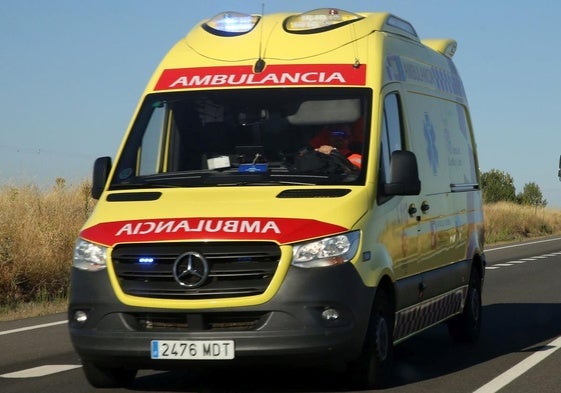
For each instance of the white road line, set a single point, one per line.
(40, 371)
(522, 244)
(32, 327)
(510, 263)
(519, 369)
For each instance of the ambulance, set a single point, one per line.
(293, 188)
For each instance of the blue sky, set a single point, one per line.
(71, 73)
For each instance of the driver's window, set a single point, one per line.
(149, 154)
(392, 134)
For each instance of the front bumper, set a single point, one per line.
(287, 328)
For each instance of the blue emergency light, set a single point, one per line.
(231, 23)
(146, 260)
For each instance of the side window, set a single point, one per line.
(391, 137)
(462, 138)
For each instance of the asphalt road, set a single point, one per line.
(517, 352)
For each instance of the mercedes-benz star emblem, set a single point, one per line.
(190, 269)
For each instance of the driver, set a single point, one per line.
(337, 137)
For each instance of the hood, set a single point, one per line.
(249, 213)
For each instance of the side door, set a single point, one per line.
(401, 211)
(430, 121)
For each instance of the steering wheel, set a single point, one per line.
(342, 161)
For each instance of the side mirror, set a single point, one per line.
(559, 172)
(101, 169)
(404, 174)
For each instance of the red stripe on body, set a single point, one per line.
(273, 75)
(282, 230)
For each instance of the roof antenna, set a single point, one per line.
(260, 63)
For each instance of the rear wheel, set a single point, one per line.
(374, 367)
(466, 326)
(107, 377)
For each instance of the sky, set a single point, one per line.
(72, 72)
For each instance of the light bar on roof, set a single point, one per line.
(231, 23)
(401, 24)
(319, 19)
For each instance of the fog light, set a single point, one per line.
(330, 314)
(80, 316)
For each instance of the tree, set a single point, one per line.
(497, 186)
(531, 195)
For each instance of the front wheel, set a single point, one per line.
(374, 367)
(107, 377)
(466, 326)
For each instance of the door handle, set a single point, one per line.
(412, 209)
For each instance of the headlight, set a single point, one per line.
(328, 251)
(89, 256)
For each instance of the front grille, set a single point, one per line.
(235, 269)
(180, 321)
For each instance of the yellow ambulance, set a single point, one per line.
(293, 187)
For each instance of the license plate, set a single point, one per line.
(194, 350)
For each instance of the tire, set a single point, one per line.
(466, 327)
(106, 377)
(373, 369)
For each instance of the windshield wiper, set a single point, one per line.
(266, 183)
(223, 179)
(170, 179)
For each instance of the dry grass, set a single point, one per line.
(506, 222)
(38, 230)
(33, 309)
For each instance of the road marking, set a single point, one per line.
(41, 371)
(522, 244)
(523, 260)
(514, 372)
(32, 327)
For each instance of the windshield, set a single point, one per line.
(247, 137)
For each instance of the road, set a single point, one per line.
(517, 352)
